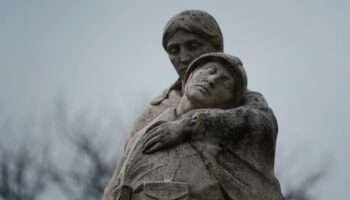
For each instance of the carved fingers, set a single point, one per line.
(162, 136)
(153, 141)
(154, 147)
(155, 138)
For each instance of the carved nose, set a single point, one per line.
(184, 57)
(210, 82)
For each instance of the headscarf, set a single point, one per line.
(193, 21)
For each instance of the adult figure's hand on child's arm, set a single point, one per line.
(166, 134)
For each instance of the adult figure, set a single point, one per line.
(216, 81)
(188, 35)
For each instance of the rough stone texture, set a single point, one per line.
(201, 153)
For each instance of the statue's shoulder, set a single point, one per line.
(169, 98)
(255, 101)
(253, 98)
(170, 95)
(158, 100)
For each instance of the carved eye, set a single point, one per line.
(225, 78)
(173, 50)
(227, 81)
(212, 70)
(194, 45)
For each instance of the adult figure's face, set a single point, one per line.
(210, 86)
(183, 47)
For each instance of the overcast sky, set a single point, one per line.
(107, 55)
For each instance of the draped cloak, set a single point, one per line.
(233, 159)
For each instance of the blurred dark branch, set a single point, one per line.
(21, 176)
(90, 170)
(301, 191)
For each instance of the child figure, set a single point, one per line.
(196, 164)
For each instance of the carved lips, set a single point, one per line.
(204, 89)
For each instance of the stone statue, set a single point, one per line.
(185, 146)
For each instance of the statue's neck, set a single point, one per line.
(184, 106)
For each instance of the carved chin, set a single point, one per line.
(198, 99)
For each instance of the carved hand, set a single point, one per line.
(166, 134)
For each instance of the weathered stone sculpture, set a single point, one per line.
(207, 136)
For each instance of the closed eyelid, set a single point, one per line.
(190, 42)
(229, 82)
(172, 48)
(223, 76)
(212, 67)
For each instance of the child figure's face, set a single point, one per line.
(210, 86)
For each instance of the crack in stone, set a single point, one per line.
(178, 166)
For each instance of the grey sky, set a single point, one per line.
(107, 55)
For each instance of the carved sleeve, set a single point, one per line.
(253, 115)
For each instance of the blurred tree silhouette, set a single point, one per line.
(73, 160)
(82, 167)
(90, 170)
(21, 176)
(302, 191)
